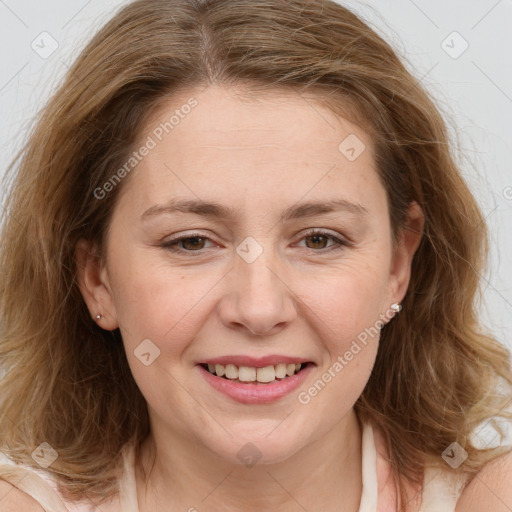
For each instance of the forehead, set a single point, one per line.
(281, 121)
(280, 142)
(222, 112)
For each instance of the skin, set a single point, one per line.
(300, 297)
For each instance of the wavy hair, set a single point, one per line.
(68, 382)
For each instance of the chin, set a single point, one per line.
(249, 450)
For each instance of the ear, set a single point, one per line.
(94, 285)
(408, 241)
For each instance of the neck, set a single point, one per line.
(177, 474)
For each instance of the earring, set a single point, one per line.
(99, 317)
(396, 307)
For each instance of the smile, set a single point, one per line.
(265, 374)
(255, 384)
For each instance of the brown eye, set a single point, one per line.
(186, 244)
(315, 240)
(193, 243)
(319, 240)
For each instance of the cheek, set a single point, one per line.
(156, 301)
(158, 310)
(347, 320)
(346, 315)
(347, 298)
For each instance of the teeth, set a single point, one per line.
(251, 374)
(280, 371)
(290, 369)
(246, 374)
(231, 371)
(266, 374)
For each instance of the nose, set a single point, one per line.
(258, 298)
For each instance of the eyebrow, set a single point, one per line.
(216, 210)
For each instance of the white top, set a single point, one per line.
(441, 488)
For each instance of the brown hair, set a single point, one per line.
(68, 382)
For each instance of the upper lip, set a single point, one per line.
(257, 362)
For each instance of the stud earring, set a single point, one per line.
(99, 317)
(396, 307)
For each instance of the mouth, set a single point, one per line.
(252, 374)
(262, 384)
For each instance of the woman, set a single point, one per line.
(239, 272)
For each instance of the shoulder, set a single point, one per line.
(14, 500)
(490, 489)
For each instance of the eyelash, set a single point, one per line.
(171, 244)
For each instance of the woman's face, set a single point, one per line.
(249, 285)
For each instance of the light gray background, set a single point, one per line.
(474, 92)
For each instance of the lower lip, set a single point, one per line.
(253, 392)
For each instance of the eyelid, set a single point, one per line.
(322, 231)
(184, 236)
(341, 241)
